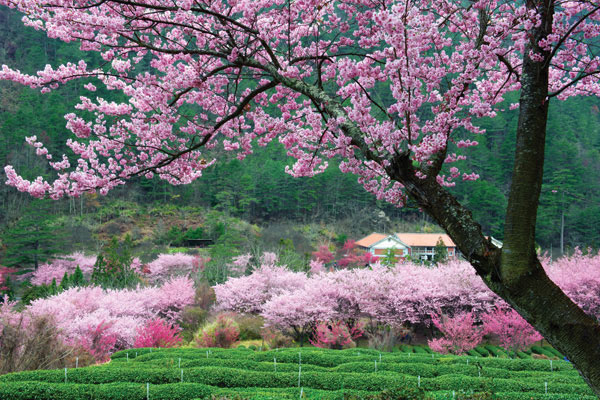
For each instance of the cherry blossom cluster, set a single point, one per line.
(459, 334)
(165, 266)
(360, 80)
(406, 293)
(157, 333)
(55, 269)
(513, 332)
(248, 294)
(169, 265)
(348, 256)
(79, 312)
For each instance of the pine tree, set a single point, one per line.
(65, 282)
(113, 266)
(34, 238)
(77, 278)
(440, 252)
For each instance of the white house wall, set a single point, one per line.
(388, 244)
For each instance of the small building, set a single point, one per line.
(379, 244)
(419, 246)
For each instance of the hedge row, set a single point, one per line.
(413, 368)
(227, 377)
(113, 391)
(447, 394)
(189, 391)
(334, 359)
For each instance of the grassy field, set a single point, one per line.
(311, 373)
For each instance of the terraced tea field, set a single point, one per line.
(310, 373)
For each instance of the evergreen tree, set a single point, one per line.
(440, 252)
(34, 238)
(113, 268)
(77, 279)
(65, 282)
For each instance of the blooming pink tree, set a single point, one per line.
(84, 313)
(511, 329)
(248, 294)
(460, 334)
(392, 88)
(323, 255)
(97, 340)
(578, 275)
(157, 333)
(335, 335)
(55, 269)
(168, 265)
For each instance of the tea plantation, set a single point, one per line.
(311, 373)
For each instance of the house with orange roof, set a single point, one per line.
(379, 244)
(419, 246)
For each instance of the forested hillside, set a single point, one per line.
(258, 190)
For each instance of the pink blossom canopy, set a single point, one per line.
(362, 80)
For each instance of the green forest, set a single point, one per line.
(258, 191)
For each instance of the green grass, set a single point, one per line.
(324, 374)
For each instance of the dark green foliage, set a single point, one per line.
(112, 391)
(33, 238)
(64, 283)
(113, 266)
(34, 292)
(441, 252)
(31, 293)
(344, 374)
(77, 278)
(398, 393)
(482, 351)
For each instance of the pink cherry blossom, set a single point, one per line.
(439, 70)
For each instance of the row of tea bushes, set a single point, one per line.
(320, 374)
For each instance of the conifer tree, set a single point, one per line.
(33, 239)
(440, 254)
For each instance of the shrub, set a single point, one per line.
(459, 334)
(275, 339)
(30, 342)
(221, 333)
(513, 331)
(336, 335)
(98, 341)
(191, 319)
(250, 326)
(157, 333)
(385, 337)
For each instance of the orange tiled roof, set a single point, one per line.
(424, 239)
(373, 238)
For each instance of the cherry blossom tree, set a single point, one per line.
(512, 330)
(55, 269)
(248, 294)
(393, 88)
(86, 314)
(167, 265)
(460, 335)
